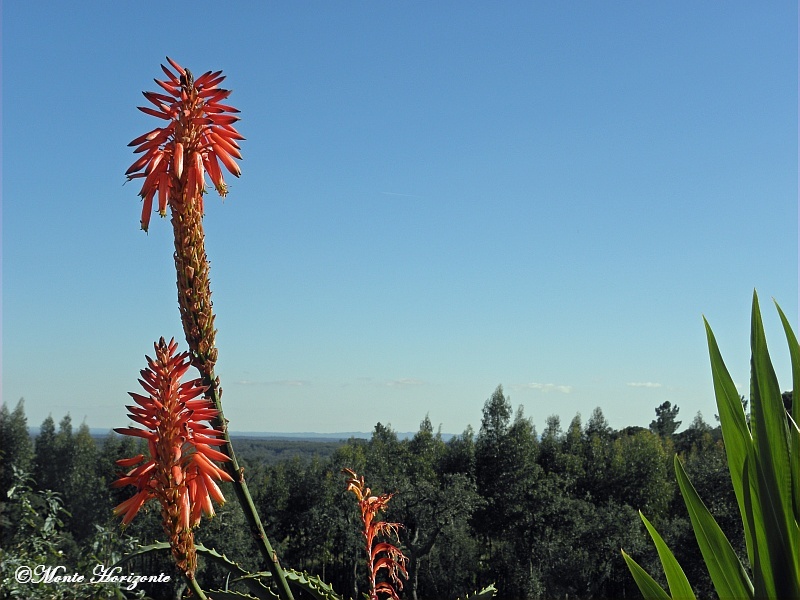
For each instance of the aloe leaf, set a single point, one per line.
(794, 353)
(228, 595)
(726, 570)
(311, 584)
(142, 551)
(488, 592)
(772, 471)
(768, 419)
(752, 501)
(250, 580)
(735, 433)
(794, 441)
(647, 585)
(794, 436)
(678, 584)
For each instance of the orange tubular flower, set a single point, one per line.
(381, 555)
(180, 472)
(198, 136)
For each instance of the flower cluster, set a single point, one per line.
(180, 472)
(198, 136)
(380, 555)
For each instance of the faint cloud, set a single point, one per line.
(643, 384)
(404, 382)
(401, 382)
(544, 387)
(399, 194)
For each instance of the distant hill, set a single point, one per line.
(305, 436)
(311, 436)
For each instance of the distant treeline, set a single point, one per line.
(542, 515)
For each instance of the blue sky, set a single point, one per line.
(436, 198)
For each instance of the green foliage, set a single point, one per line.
(45, 462)
(38, 539)
(561, 507)
(86, 492)
(697, 437)
(765, 472)
(254, 451)
(16, 454)
(256, 585)
(17, 449)
(639, 472)
(666, 422)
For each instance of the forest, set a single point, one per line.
(541, 514)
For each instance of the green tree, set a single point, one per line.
(551, 444)
(430, 502)
(508, 480)
(492, 462)
(570, 462)
(17, 449)
(665, 423)
(520, 496)
(597, 452)
(597, 425)
(583, 560)
(86, 492)
(640, 475)
(452, 565)
(697, 436)
(65, 453)
(386, 458)
(45, 461)
(460, 454)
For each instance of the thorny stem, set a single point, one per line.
(197, 315)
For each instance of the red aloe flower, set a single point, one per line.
(180, 472)
(198, 136)
(380, 555)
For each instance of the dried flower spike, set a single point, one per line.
(197, 137)
(380, 555)
(180, 472)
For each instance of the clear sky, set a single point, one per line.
(437, 198)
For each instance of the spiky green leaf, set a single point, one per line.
(647, 585)
(726, 571)
(794, 418)
(778, 575)
(488, 592)
(735, 433)
(142, 551)
(679, 587)
(228, 595)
